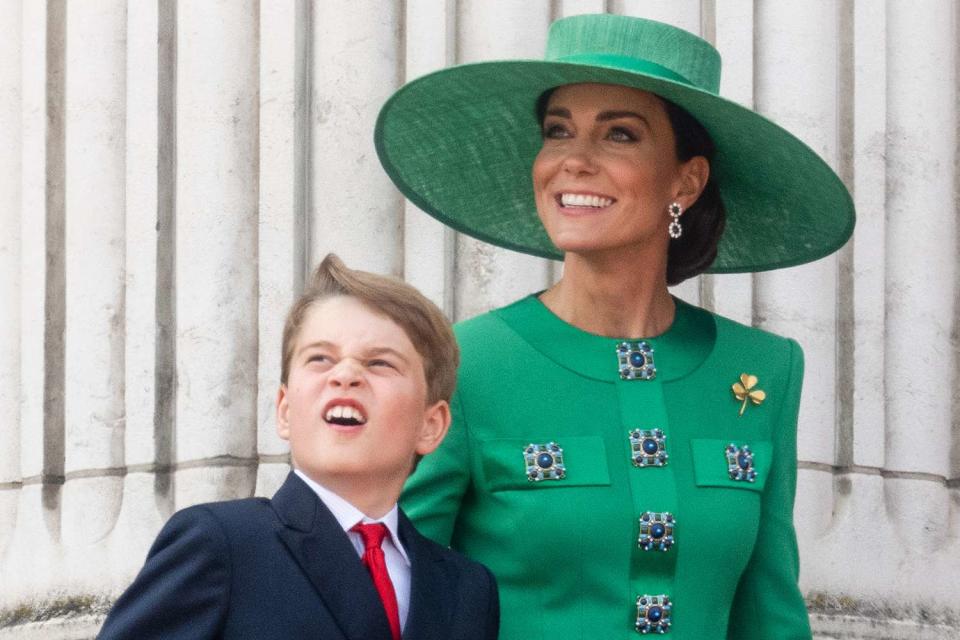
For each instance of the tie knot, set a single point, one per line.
(372, 534)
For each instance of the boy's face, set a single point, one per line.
(355, 403)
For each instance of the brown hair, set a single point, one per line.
(425, 325)
(703, 222)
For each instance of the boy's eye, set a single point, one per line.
(318, 357)
(381, 363)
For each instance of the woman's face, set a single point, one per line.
(607, 170)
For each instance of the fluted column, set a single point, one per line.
(216, 249)
(731, 295)
(95, 331)
(429, 246)
(920, 374)
(284, 148)
(802, 98)
(680, 13)
(10, 203)
(488, 276)
(31, 554)
(354, 209)
(577, 7)
(148, 361)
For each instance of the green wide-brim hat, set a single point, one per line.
(460, 144)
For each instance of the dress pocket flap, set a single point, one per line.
(715, 465)
(584, 463)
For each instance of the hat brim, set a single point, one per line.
(460, 144)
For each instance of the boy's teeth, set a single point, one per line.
(582, 200)
(345, 413)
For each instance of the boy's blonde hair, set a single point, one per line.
(424, 323)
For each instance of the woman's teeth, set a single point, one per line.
(581, 200)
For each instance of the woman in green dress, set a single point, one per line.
(624, 462)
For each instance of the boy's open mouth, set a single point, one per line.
(345, 414)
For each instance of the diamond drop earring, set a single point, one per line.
(675, 230)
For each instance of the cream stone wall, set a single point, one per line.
(169, 171)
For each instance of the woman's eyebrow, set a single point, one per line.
(560, 112)
(603, 116)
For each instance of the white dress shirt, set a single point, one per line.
(347, 515)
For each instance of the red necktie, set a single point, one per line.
(373, 535)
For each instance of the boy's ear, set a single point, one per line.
(283, 411)
(436, 422)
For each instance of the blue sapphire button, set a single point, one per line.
(656, 531)
(648, 447)
(635, 361)
(740, 463)
(654, 614)
(544, 462)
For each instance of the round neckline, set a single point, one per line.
(677, 351)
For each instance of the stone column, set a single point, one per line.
(354, 209)
(488, 276)
(95, 248)
(429, 246)
(731, 295)
(920, 371)
(148, 349)
(10, 203)
(284, 148)
(30, 557)
(802, 98)
(216, 249)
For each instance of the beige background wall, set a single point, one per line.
(170, 170)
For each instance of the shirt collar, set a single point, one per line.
(348, 515)
(677, 351)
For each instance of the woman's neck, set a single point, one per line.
(615, 298)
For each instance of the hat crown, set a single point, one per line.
(621, 41)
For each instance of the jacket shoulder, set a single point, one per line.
(753, 341)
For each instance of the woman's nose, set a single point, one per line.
(579, 158)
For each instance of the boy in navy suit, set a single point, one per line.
(369, 365)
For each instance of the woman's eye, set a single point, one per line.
(381, 363)
(555, 131)
(619, 134)
(318, 357)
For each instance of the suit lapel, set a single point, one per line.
(431, 587)
(321, 548)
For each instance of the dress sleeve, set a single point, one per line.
(768, 603)
(184, 587)
(433, 494)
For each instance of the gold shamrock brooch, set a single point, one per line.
(744, 391)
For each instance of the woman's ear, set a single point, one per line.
(694, 174)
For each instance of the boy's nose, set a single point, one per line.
(346, 373)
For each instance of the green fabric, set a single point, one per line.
(460, 144)
(565, 551)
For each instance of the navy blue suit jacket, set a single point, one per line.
(283, 568)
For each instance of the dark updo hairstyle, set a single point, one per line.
(695, 250)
